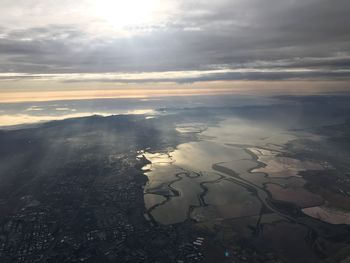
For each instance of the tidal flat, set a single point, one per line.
(217, 178)
(234, 167)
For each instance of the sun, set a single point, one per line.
(123, 13)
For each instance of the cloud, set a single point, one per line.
(278, 39)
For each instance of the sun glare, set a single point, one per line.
(123, 13)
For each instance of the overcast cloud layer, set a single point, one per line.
(201, 40)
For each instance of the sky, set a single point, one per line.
(113, 48)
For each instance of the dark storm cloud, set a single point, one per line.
(205, 35)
